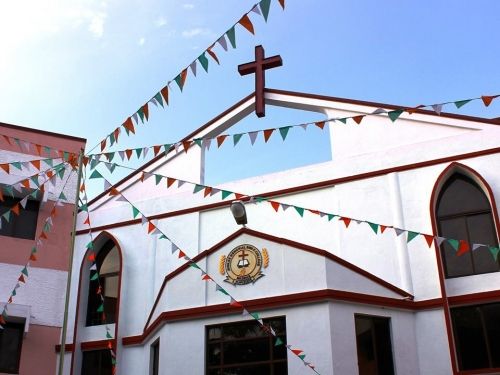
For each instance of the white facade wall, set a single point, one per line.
(325, 331)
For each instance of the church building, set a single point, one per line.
(383, 260)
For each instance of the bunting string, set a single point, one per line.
(161, 98)
(27, 147)
(57, 171)
(33, 257)
(153, 230)
(266, 134)
(94, 274)
(459, 245)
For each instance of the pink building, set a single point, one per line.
(37, 195)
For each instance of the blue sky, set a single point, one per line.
(81, 67)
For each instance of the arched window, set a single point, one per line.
(463, 212)
(107, 284)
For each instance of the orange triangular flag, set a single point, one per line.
(128, 152)
(91, 257)
(346, 221)
(206, 277)
(282, 3)
(151, 227)
(164, 93)
(103, 144)
(267, 134)
(21, 279)
(36, 163)
(207, 191)
(1, 196)
(221, 139)
(15, 209)
(43, 235)
(26, 183)
(246, 23)
(429, 239)
(275, 205)
(320, 124)
(170, 181)
(238, 196)
(212, 53)
(85, 160)
(156, 150)
(33, 257)
(358, 119)
(2, 320)
(145, 109)
(5, 167)
(414, 109)
(488, 99)
(181, 254)
(113, 191)
(316, 212)
(38, 149)
(87, 220)
(382, 228)
(129, 125)
(9, 300)
(463, 247)
(186, 145)
(184, 74)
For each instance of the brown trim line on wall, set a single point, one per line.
(301, 188)
(39, 131)
(67, 348)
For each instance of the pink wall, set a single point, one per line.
(38, 356)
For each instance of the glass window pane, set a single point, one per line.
(373, 340)
(11, 337)
(482, 230)
(22, 225)
(460, 194)
(491, 314)
(469, 337)
(246, 351)
(280, 368)
(96, 362)
(383, 346)
(455, 228)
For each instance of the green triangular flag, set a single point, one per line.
(167, 147)
(113, 360)
(194, 265)
(140, 112)
(284, 131)
(65, 155)
(330, 217)
(46, 227)
(461, 103)
(494, 251)
(94, 276)
(278, 342)
(6, 216)
(264, 7)
(411, 236)
(236, 138)
(342, 120)
(454, 243)
(302, 356)
(225, 194)
(163, 237)
(112, 138)
(90, 245)
(17, 165)
(101, 308)
(110, 156)
(13, 292)
(62, 196)
(159, 98)
(255, 315)
(300, 210)
(47, 150)
(108, 336)
(135, 211)
(203, 61)
(138, 152)
(197, 141)
(96, 174)
(373, 226)
(61, 172)
(49, 162)
(24, 271)
(178, 80)
(158, 178)
(198, 188)
(393, 115)
(231, 35)
(84, 207)
(35, 180)
(34, 194)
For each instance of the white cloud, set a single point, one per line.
(160, 21)
(197, 31)
(96, 25)
(142, 41)
(188, 6)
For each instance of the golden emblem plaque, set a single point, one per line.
(243, 264)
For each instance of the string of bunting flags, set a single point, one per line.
(27, 147)
(28, 165)
(39, 242)
(27, 183)
(161, 98)
(459, 245)
(206, 142)
(153, 230)
(94, 276)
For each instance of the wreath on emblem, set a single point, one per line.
(243, 264)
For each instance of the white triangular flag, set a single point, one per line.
(253, 136)
(222, 41)
(437, 108)
(193, 67)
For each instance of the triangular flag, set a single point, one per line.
(429, 239)
(231, 35)
(282, 3)
(164, 93)
(275, 205)
(454, 243)
(278, 342)
(358, 119)
(488, 99)
(225, 194)
(95, 174)
(236, 138)
(463, 247)
(234, 303)
(222, 41)
(203, 61)
(253, 137)
(284, 131)
(320, 124)
(437, 108)
(394, 115)
(135, 212)
(221, 139)
(299, 210)
(461, 103)
(346, 221)
(411, 236)
(373, 226)
(246, 23)
(193, 67)
(212, 54)
(267, 134)
(265, 5)
(399, 231)
(494, 251)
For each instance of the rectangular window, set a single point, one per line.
(154, 365)
(11, 340)
(373, 340)
(22, 225)
(477, 336)
(244, 348)
(97, 362)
